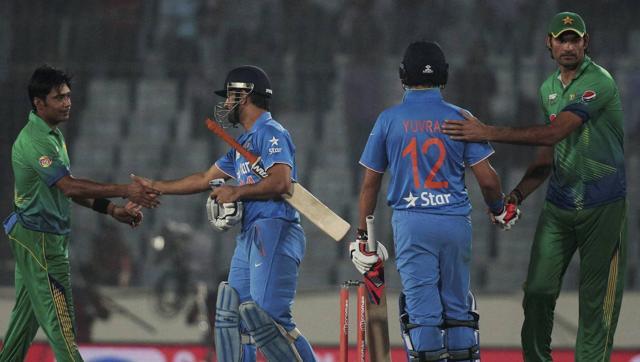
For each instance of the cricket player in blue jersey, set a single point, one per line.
(431, 222)
(254, 305)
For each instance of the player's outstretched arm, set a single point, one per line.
(537, 172)
(489, 183)
(88, 189)
(192, 184)
(473, 130)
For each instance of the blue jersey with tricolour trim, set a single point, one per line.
(272, 143)
(426, 166)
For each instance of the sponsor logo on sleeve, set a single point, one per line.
(45, 161)
(553, 97)
(588, 96)
(273, 149)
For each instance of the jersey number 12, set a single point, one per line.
(412, 150)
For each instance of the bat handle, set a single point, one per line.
(372, 244)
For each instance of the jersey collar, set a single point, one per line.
(585, 63)
(41, 125)
(430, 94)
(264, 118)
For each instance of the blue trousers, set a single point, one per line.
(264, 269)
(433, 254)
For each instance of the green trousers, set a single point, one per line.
(43, 296)
(599, 235)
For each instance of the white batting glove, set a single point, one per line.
(223, 217)
(508, 217)
(363, 259)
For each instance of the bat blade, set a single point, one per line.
(299, 197)
(377, 319)
(317, 212)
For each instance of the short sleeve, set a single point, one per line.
(545, 110)
(46, 159)
(226, 163)
(374, 156)
(475, 152)
(596, 98)
(275, 146)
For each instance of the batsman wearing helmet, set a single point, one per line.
(585, 208)
(431, 207)
(254, 306)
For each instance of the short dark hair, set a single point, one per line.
(260, 101)
(43, 80)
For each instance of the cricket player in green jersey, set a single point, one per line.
(38, 229)
(585, 208)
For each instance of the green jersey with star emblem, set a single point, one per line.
(588, 165)
(39, 159)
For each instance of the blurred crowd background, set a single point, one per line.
(144, 75)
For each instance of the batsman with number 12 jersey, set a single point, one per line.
(431, 207)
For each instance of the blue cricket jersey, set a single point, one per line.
(272, 143)
(426, 166)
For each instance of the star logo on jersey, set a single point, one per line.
(567, 20)
(411, 200)
(588, 95)
(274, 141)
(45, 161)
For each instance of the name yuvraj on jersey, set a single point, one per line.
(419, 126)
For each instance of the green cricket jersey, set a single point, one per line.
(39, 159)
(588, 165)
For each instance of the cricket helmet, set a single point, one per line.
(423, 63)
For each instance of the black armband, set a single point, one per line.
(580, 109)
(518, 195)
(101, 205)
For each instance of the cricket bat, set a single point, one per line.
(299, 197)
(377, 321)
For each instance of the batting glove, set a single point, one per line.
(363, 259)
(223, 216)
(508, 217)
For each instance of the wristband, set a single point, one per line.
(518, 195)
(101, 205)
(497, 206)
